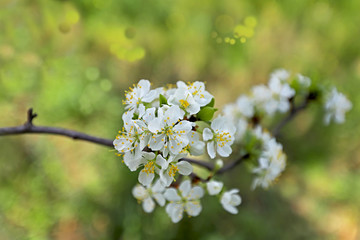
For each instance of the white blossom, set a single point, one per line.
(231, 112)
(196, 146)
(168, 168)
(140, 93)
(201, 96)
(186, 198)
(261, 94)
(169, 132)
(147, 174)
(271, 163)
(241, 127)
(261, 134)
(336, 106)
(274, 97)
(146, 195)
(304, 81)
(214, 187)
(231, 199)
(220, 137)
(183, 98)
(131, 138)
(245, 106)
(281, 74)
(282, 92)
(189, 97)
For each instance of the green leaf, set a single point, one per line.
(162, 99)
(201, 125)
(211, 103)
(206, 113)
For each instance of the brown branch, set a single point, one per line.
(29, 128)
(233, 164)
(209, 166)
(293, 112)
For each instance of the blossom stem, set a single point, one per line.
(293, 112)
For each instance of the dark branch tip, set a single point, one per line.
(30, 116)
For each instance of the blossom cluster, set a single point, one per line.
(162, 127)
(267, 100)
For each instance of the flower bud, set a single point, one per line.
(219, 164)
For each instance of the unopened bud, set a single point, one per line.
(219, 164)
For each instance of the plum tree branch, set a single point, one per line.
(293, 112)
(29, 128)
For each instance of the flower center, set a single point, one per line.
(222, 138)
(173, 170)
(184, 103)
(149, 167)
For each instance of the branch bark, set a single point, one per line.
(293, 112)
(233, 164)
(29, 128)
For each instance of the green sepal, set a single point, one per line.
(206, 113)
(201, 125)
(162, 99)
(211, 103)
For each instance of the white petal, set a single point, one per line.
(148, 155)
(183, 126)
(207, 134)
(150, 96)
(193, 108)
(165, 178)
(139, 192)
(233, 191)
(224, 151)
(159, 198)
(211, 149)
(185, 188)
(161, 162)
(214, 187)
(193, 208)
(157, 143)
(144, 86)
(172, 195)
(174, 114)
(157, 187)
(145, 178)
(230, 208)
(219, 123)
(185, 168)
(175, 211)
(235, 200)
(197, 148)
(148, 205)
(195, 193)
(181, 84)
(155, 125)
(132, 161)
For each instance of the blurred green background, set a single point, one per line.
(72, 60)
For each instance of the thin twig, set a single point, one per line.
(209, 166)
(29, 128)
(233, 164)
(293, 112)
